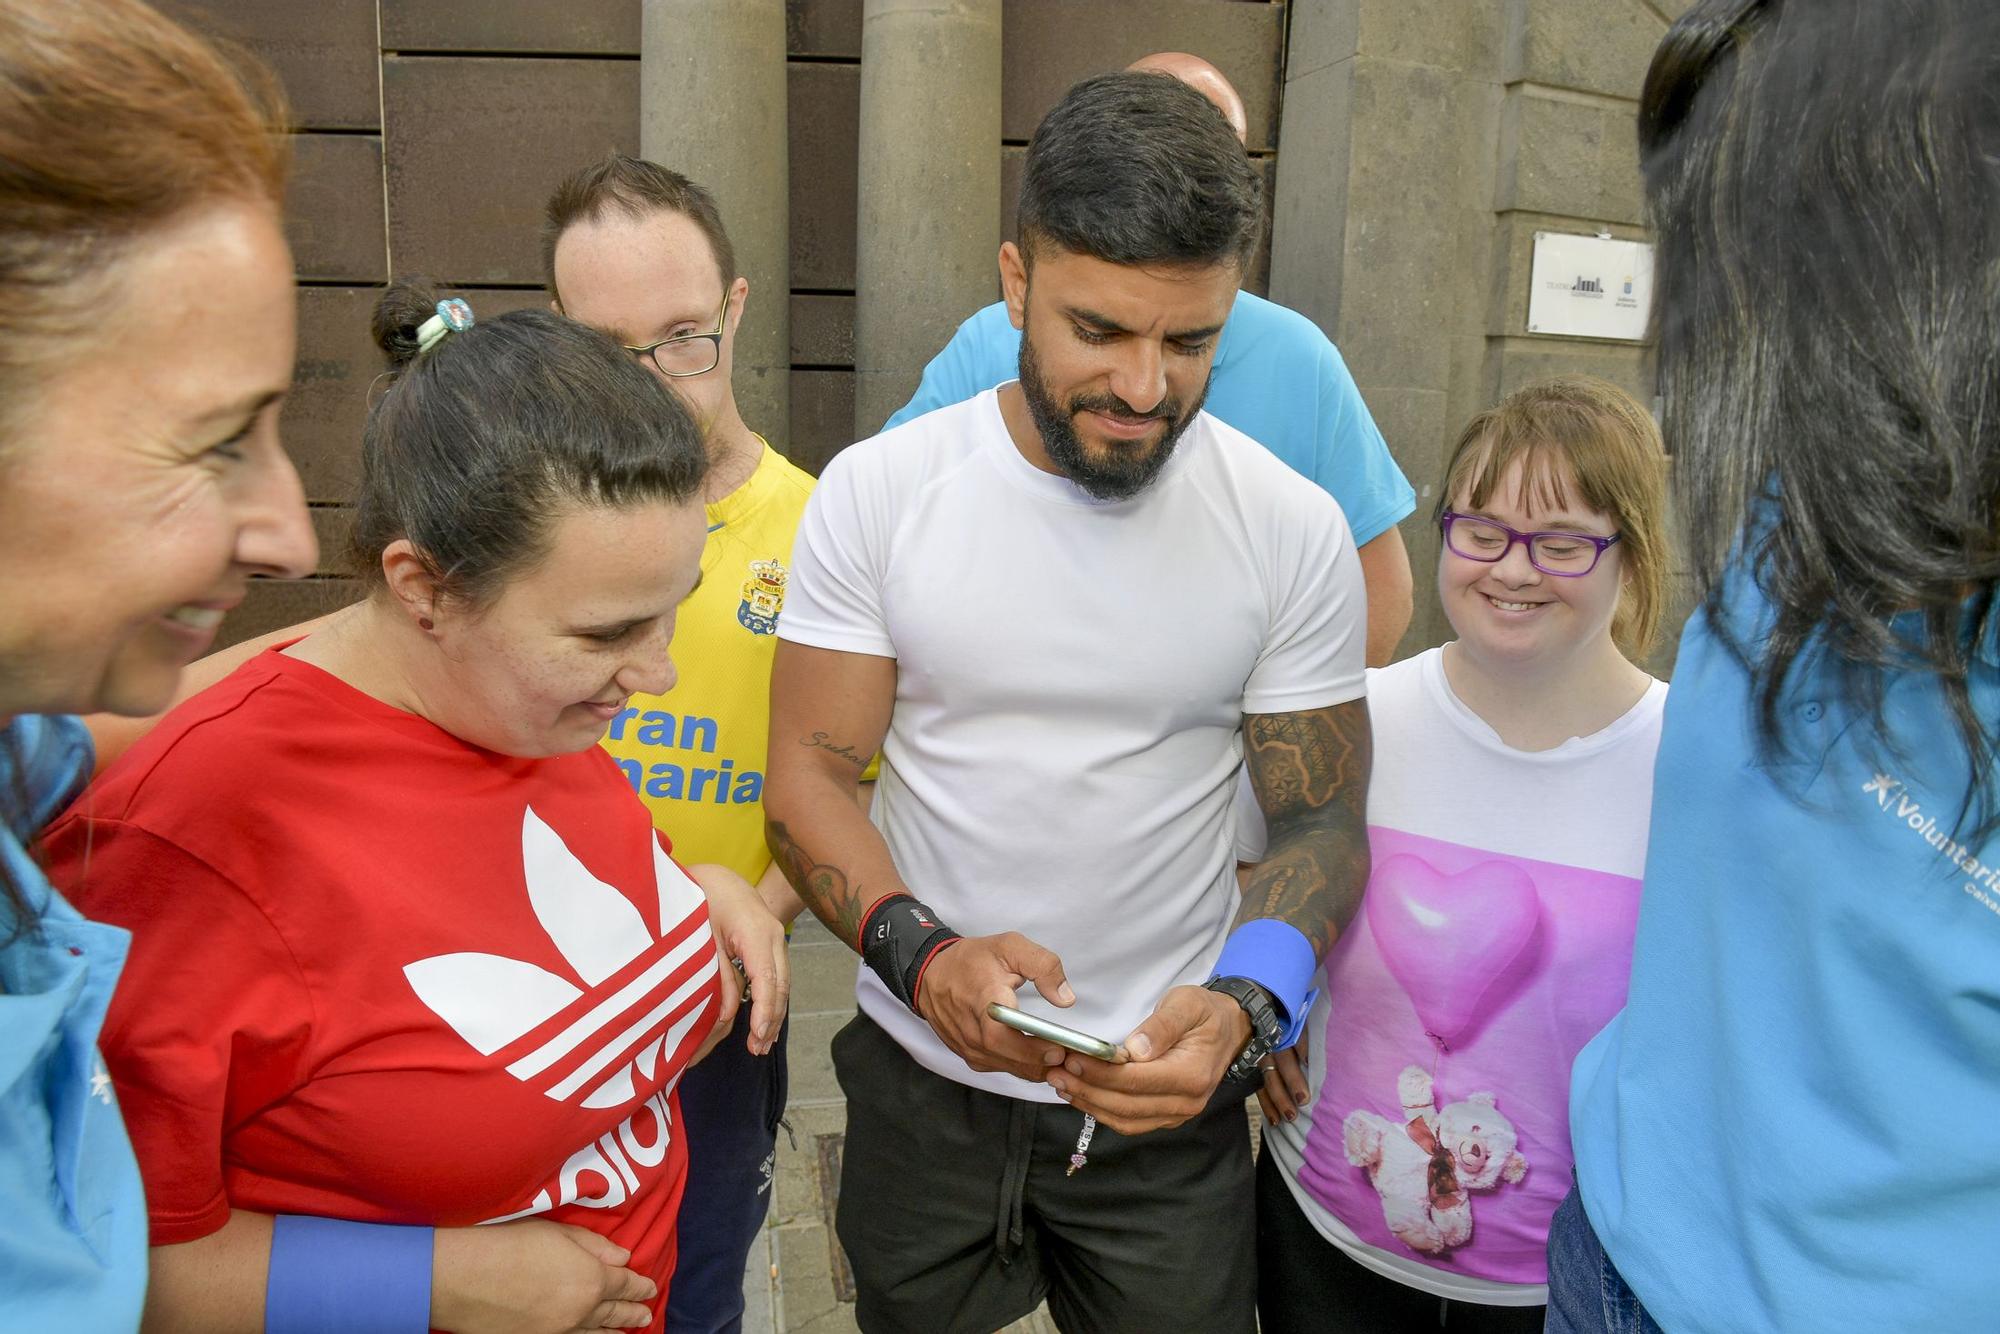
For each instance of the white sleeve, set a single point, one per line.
(1315, 652)
(839, 559)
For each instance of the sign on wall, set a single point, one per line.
(1590, 287)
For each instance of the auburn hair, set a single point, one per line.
(114, 120)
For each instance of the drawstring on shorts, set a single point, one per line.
(1008, 1231)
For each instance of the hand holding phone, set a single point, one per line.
(1037, 1027)
(1176, 1060)
(965, 976)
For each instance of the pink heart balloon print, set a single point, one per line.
(1452, 939)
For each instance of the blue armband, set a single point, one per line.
(333, 1276)
(1277, 957)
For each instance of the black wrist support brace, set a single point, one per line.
(898, 938)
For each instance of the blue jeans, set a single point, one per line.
(1586, 1294)
(730, 1108)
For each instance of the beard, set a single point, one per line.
(1121, 470)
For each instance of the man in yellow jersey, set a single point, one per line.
(639, 252)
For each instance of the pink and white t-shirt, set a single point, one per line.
(1494, 941)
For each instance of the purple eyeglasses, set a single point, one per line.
(1564, 555)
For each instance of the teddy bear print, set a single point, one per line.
(1427, 1167)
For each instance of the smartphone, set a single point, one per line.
(1037, 1027)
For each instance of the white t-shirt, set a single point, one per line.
(1499, 917)
(1071, 682)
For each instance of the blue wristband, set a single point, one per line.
(332, 1276)
(1277, 957)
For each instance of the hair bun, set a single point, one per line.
(399, 312)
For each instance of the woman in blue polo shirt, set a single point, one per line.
(1786, 1129)
(146, 332)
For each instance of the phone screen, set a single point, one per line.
(1037, 1027)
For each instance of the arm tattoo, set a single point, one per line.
(822, 888)
(1310, 774)
(821, 741)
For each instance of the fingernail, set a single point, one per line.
(1053, 1056)
(1075, 1067)
(1290, 1117)
(1299, 1099)
(1062, 1090)
(1139, 1047)
(1064, 995)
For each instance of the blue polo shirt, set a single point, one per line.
(1791, 1125)
(73, 1239)
(1276, 378)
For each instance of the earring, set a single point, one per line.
(424, 623)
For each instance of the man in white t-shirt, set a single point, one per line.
(1067, 612)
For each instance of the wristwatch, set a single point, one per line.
(1266, 1029)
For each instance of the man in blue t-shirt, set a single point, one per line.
(1276, 378)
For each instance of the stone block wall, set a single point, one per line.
(1424, 143)
(429, 132)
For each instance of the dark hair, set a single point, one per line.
(1824, 185)
(114, 122)
(1138, 168)
(634, 187)
(481, 440)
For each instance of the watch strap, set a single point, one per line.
(1266, 1029)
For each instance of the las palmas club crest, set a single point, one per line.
(763, 597)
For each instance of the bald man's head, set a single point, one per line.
(1205, 79)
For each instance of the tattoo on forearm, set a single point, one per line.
(1310, 774)
(822, 741)
(823, 889)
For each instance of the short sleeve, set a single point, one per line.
(1354, 463)
(839, 559)
(211, 1019)
(1314, 651)
(971, 363)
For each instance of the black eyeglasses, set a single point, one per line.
(688, 354)
(1564, 555)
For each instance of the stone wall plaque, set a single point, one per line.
(1590, 287)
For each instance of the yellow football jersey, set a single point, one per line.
(695, 755)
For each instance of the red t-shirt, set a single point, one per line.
(381, 974)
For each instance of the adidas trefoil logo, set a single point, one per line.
(491, 1000)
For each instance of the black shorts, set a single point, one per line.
(957, 1214)
(1308, 1285)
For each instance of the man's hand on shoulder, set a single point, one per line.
(1174, 1063)
(962, 979)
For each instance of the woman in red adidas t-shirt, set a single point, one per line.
(406, 948)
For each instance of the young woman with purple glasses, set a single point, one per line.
(1419, 1136)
